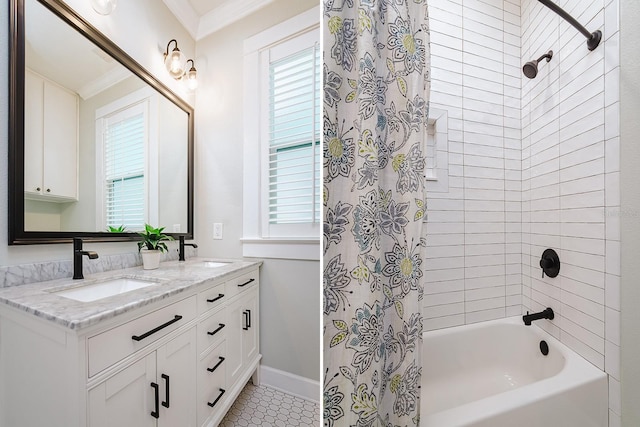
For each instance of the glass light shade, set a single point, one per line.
(191, 78)
(104, 7)
(175, 62)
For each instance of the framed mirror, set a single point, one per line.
(97, 145)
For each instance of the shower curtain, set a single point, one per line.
(376, 102)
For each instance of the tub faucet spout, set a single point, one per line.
(544, 314)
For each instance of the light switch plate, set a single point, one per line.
(217, 231)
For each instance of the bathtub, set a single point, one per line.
(493, 374)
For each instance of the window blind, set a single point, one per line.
(124, 172)
(294, 138)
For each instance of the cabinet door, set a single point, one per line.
(33, 133)
(235, 320)
(177, 379)
(126, 399)
(250, 331)
(60, 165)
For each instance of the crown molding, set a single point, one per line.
(226, 14)
(188, 17)
(104, 82)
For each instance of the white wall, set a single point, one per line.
(473, 254)
(290, 296)
(172, 166)
(630, 210)
(142, 28)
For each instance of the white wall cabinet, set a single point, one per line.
(51, 140)
(165, 365)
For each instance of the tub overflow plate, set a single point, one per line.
(544, 347)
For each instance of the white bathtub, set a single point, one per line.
(493, 374)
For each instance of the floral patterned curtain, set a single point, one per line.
(376, 94)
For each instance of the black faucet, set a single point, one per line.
(544, 314)
(181, 249)
(78, 253)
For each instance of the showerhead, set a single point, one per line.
(530, 69)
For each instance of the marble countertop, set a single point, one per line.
(173, 278)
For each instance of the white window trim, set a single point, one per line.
(149, 97)
(254, 242)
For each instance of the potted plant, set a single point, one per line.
(152, 245)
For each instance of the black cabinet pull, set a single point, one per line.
(156, 413)
(212, 404)
(217, 329)
(166, 397)
(246, 283)
(246, 321)
(248, 318)
(216, 298)
(153, 331)
(217, 364)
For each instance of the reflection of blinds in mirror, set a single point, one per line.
(294, 138)
(124, 148)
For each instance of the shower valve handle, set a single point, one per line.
(550, 263)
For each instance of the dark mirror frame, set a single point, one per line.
(17, 233)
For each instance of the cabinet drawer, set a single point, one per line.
(242, 283)
(211, 298)
(212, 329)
(211, 382)
(113, 345)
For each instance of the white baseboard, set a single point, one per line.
(290, 383)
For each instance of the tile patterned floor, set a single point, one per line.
(264, 406)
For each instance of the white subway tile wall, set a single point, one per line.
(570, 180)
(532, 164)
(474, 224)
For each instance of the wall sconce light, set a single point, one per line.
(175, 62)
(191, 76)
(104, 7)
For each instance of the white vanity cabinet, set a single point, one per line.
(180, 361)
(50, 140)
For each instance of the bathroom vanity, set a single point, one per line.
(167, 347)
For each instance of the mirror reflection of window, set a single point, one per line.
(124, 138)
(126, 162)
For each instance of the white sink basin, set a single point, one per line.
(214, 264)
(104, 289)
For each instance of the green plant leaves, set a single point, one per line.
(153, 239)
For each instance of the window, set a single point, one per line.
(282, 178)
(294, 138)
